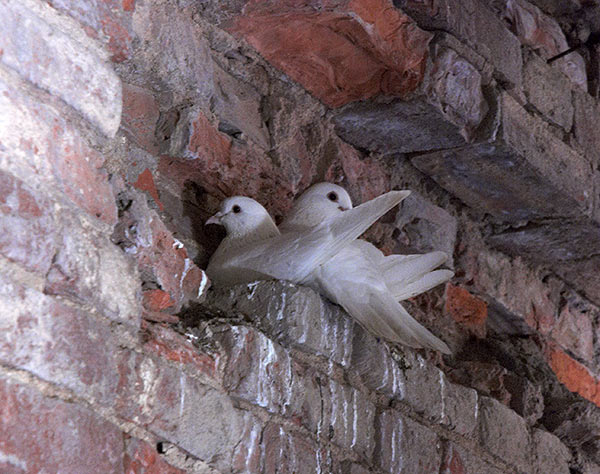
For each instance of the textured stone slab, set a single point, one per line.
(475, 23)
(53, 53)
(523, 173)
(549, 454)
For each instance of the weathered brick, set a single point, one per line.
(179, 409)
(466, 309)
(583, 275)
(288, 452)
(574, 375)
(549, 454)
(57, 343)
(357, 58)
(574, 330)
(49, 50)
(140, 116)
(586, 133)
(544, 34)
(546, 89)
(145, 182)
(475, 23)
(504, 433)
(459, 410)
(141, 458)
(294, 315)
(458, 460)
(28, 233)
(39, 146)
(41, 434)
(107, 20)
(90, 269)
(404, 446)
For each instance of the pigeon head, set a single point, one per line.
(241, 216)
(329, 197)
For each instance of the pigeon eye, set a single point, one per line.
(332, 196)
(236, 209)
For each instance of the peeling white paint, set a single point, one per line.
(13, 460)
(203, 284)
(177, 244)
(182, 388)
(252, 287)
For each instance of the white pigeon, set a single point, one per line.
(361, 279)
(255, 250)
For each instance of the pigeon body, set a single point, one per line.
(255, 250)
(367, 284)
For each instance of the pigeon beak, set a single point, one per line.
(216, 219)
(342, 208)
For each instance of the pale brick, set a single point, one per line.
(504, 433)
(403, 446)
(549, 454)
(53, 53)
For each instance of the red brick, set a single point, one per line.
(27, 229)
(47, 148)
(157, 300)
(466, 309)
(139, 116)
(141, 458)
(145, 182)
(352, 51)
(109, 20)
(174, 347)
(574, 375)
(48, 435)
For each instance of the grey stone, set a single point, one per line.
(403, 446)
(583, 275)
(546, 89)
(585, 126)
(459, 408)
(459, 460)
(396, 127)
(551, 243)
(54, 53)
(475, 23)
(549, 454)
(504, 433)
(523, 173)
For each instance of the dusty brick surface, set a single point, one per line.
(77, 72)
(87, 443)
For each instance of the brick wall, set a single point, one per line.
(124, 123)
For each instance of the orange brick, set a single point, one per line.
(574, 375)
(466, 309)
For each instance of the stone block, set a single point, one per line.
(43, 434)
(551, 243)
(54, 53)
(549, 454)
(396, 127)
(583, 275)
(42, 148)
(403, 446)
(504, 433)
(519, 175)
(477, 25)
(546, 89)
(459, 408)
(574, 330)
(355, 58)
(28, 230)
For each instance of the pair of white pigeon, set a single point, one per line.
(317, 245)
